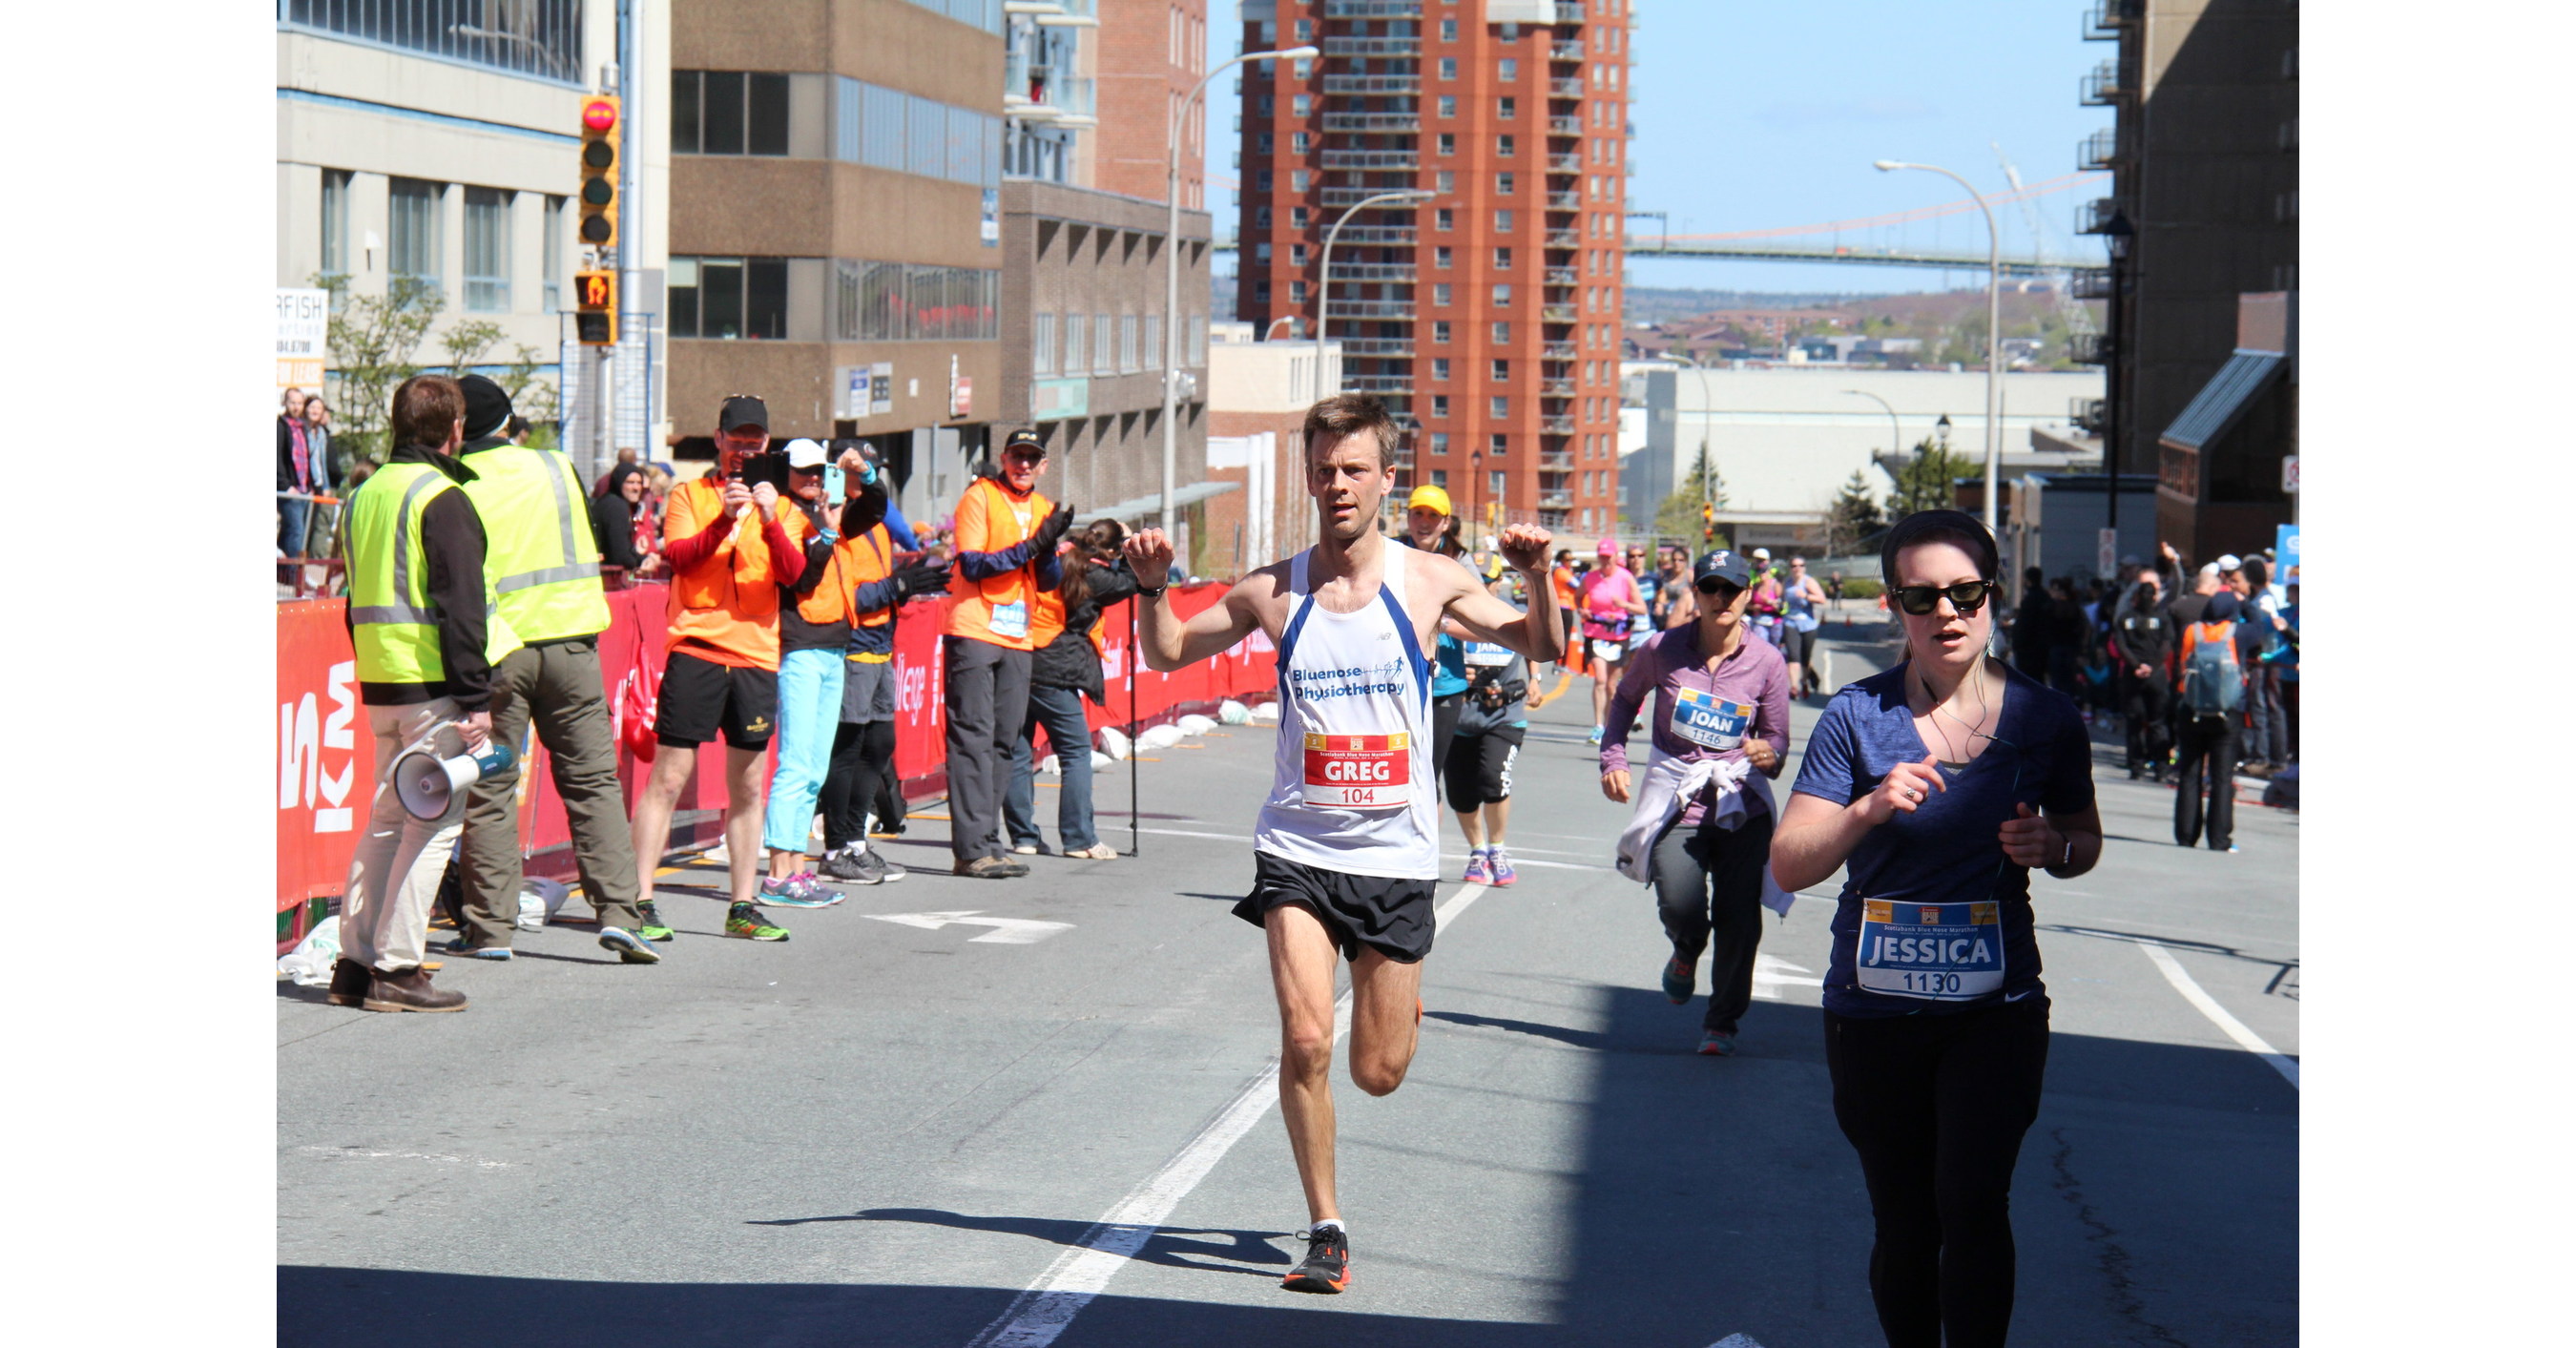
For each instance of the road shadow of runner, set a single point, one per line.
(1165, 1247)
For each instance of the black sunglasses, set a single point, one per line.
(1711, 585)
(1967, 597)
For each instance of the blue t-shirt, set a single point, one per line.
(1945, 853)
(1448, 667)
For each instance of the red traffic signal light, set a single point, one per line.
(599, 166)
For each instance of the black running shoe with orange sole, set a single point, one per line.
(1327, 1265)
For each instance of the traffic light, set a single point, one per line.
(594, 321)
(599, 149)
(1707, 522)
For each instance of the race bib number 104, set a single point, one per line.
(1359, 772)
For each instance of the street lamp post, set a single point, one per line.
(1994, 333)
(1895, 432)
(1172, 263)
(1324, 283)
(2116, 235)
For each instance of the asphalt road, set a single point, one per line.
(890, 1133)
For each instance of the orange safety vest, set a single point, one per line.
(996, 609)
(727, 604)
(864, 558)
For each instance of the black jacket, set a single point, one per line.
(1069, 661)
(451, 533)
(2143, 636)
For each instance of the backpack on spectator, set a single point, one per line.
(2213, 684)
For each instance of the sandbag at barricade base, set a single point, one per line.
(1234, 713)
(1113, 742)
(1159, 737)
(1266, 714)
(1195, 724)
(309, 964)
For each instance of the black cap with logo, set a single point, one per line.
(743, 410)
(1731, 567)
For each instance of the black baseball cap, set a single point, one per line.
(1025, 439)
(1731, 567)
(743, 410)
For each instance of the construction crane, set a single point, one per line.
(2079, 319)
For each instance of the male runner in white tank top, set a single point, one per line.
(1346, 851)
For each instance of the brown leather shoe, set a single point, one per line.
(989, 868)
(409, 990)
(349, 980)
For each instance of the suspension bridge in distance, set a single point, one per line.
(1758, 250)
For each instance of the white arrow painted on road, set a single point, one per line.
(1006, 930)
(1771, 973)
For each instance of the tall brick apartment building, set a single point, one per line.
(1487, 317)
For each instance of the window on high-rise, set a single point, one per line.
(1502, 222)
(1448, 105)
(1502, 294)
(1502, 370)
(550, 251)
(1501, 405)
(412, 219)
(1444, 181)
(1440, 256)
(335, 222)
(1301, 105)
(1448, 30)
(1296, 292)
(1502, 333)
(1503, 146)
(1261, 251)
(487, 250)
(1262, 141)
(1298, 141)
(1443, 218)
(1502, 259)
(1297, 180)
(1305, 31)
(1296, 217)
(1506, 108)
(1440, 367)
(1448, 67)
(1042, 344)
(1440, 293)
(1508, 70)
(1296, 254)
(1448, 143)
(1261, 216)
(1439, 404)
(1440, 331)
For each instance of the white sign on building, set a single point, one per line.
(303, 336)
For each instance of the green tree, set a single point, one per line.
(1852, 517)
(1678, 514)
(1924, 483)
(373, 339)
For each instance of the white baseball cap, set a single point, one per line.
(2228, 561)
(1762, 554)
(802, 453)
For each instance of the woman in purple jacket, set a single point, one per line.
(1720, 726)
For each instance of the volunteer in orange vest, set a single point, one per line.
(863, 743)
(1005, 557)
(813, 627)
(730, 546)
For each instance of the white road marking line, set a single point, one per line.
(2235, 1029)
(1771, 973)
(1005, 930)
(346, 1154)
(1038, 1315)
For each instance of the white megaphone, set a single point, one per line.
(432, 786)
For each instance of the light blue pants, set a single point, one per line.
(809, 712)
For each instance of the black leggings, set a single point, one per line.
(1708, 884)
(862, 767)
(1936, 1105)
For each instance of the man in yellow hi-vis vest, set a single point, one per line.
(544, 566)
(420, 618)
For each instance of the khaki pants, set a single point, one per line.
(558, 685)
(393, 879)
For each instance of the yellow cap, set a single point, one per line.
(1428, 495)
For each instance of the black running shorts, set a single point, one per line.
(1480, 767)
(700, 698)
(1796, 647)
(1391, 917)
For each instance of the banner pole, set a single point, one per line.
(1135, 833)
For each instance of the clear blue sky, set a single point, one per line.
(1758, 115)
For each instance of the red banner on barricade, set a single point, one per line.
(326, 753)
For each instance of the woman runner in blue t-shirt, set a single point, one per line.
(1939, 785)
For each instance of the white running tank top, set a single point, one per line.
(1352, 789)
